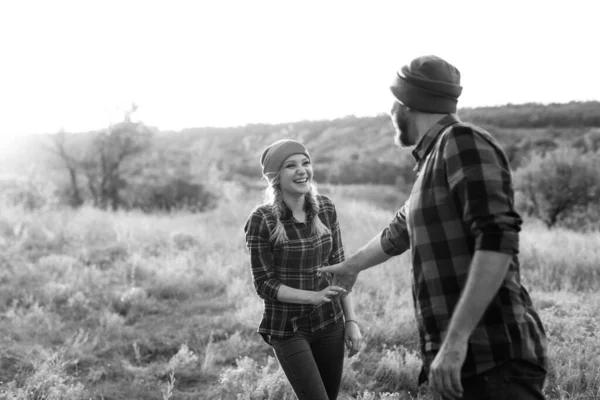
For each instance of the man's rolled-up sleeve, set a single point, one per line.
(394, 238)
(480, 180)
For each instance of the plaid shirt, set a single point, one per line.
(462, 201)
(293, 263)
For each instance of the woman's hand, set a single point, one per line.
(352, 337)
(325, 295)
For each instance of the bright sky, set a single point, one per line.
(77, 64)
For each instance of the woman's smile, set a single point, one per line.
(295, 175)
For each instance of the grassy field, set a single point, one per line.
(132, 306)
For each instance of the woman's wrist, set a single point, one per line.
(352, 320)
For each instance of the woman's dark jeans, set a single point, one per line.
(313, 361)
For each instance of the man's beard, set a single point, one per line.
(401, 124)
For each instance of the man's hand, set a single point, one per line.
(343, 275)
(346, 272)
(486, 274)
(444, 374)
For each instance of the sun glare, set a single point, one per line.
(231, 63)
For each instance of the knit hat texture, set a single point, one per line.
(273, 156)
(428, 84)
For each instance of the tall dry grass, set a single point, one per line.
(132, 306)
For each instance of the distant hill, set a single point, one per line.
(534, 115)
(359, 150)
(347, 150)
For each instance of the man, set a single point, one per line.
(480, 335)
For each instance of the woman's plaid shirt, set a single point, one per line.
(294, 264)
(462, 201)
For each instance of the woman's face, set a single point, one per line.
(295, 175)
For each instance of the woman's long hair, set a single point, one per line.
(274, 198)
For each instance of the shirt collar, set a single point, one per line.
(288, 214)
(426, 143)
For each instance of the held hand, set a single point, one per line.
(352, 338)
(343, 275)
(444, 375)
(325, 295)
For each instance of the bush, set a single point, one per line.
(558, 184)
(49, 381)
(176, 194)
(32, 193)
(249, 381)
(366, 171)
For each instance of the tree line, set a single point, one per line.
(131, 165)
(536, 115)
(121, 168)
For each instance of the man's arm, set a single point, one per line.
(391, 242)
(479, 178)
(487, 272)
(370, 255)
(346, 272)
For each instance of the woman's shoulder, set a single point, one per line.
(264, 210)
(260, 217)
(321, 198)
(325, 203)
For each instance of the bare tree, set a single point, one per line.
(102, 160)
(72, 166)
(111, 149)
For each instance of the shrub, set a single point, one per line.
(184, 241)
(49, 381)
(175, 194)
(32, 193)
(557, 184)
(249, 381)
(398, 369)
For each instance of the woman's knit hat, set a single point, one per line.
(273, 156)
(428, 84)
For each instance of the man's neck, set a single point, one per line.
(425, 121)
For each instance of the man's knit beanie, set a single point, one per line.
(428, 84)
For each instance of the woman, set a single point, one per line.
(295, 232)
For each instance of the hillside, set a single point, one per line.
(361, 150)
(349, 150)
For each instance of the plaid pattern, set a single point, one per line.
(462, 201)
(294, 264)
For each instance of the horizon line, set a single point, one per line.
(358, 116)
